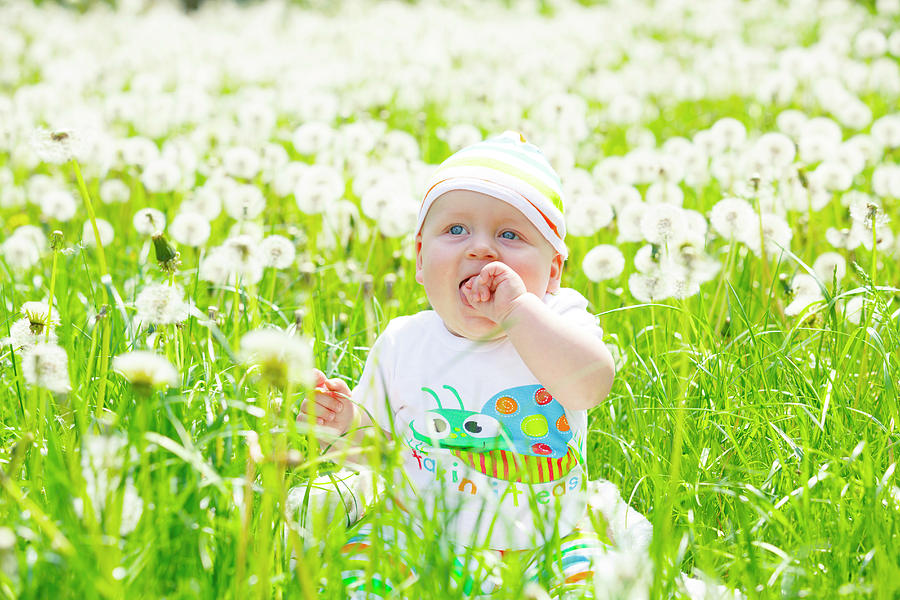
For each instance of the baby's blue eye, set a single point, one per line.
(509, 235)
(457, 229)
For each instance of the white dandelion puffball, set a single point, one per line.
(244, 259)
(829, 266)
(104, 228)
(775, 150)
(160, 176)
(319, 186)
(114, 191)
(662, 224)
(24, 333)
(46, 365)
(161, 304)
(59, 205)
(649, 287)
(241, 162)
(146, 369)
(867, 211)
(776, 234)
(730, 217)
(886, 130)
(588, 215)
(278, 251)
(148, 221)
(59, 145)
(805, 291)
(629, 222)
(244, 201)
(853, 309)
(603, 262)
(313, 137)
(281, 357)
(190, 228)
(20, 252)
(39, 312)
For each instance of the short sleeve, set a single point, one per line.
(372, 392)
(572, 306)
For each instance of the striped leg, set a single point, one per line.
(368, 566)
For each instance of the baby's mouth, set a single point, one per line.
(464, 281)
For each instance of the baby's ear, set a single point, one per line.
(419, 275)
(556, 268)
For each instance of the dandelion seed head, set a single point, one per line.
(138, 151)
(650, 287)
(647, 259)
(586, 215)
(603, 262)
(278, 251)
(57, 146)
(241, 162)
(832, 176)
(731, 216)
(853, 309)
(629, 222)
(272, 158)
(731, 132)
(281, 357)
(58, 205)
(46, 365)
(161, 304)
(662, 223)
(289, 176)
(161, 175)
(829, 266)
(148, 221)
(20, 252)
(190, 228)
(884, 237)
(114, 191)
(313, 137)
(319, 186)
(39, 314)
(791, 122)
(245, 258)
(886, 180)
(867, 211)
(845, 239)
(146, 370)
(775, 150)
(244, 202)
(104, 227)
(870, 43)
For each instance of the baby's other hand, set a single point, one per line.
(494, 291)
(330, 406)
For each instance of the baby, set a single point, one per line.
(487, 393)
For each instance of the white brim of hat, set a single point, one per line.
(500, 192)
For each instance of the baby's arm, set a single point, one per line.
(572, 363)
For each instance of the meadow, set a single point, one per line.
(197, 209)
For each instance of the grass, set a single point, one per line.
(762, 447)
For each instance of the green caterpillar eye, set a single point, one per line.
(481, 426)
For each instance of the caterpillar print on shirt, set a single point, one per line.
(520, 434)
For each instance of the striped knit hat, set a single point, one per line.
(508, 168)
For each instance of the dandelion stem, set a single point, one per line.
(104, 270)
(51, 297)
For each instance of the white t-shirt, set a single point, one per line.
(483, 442)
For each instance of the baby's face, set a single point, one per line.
(463, 231)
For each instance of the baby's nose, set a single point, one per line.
(482, 248)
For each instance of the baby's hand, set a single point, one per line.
(331, 406)
(494, 291)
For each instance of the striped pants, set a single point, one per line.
(384, 557)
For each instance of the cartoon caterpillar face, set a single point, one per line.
(524, 419)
